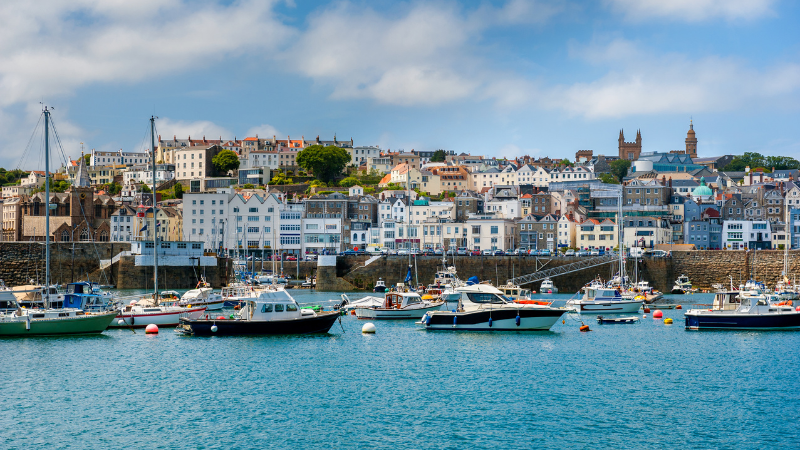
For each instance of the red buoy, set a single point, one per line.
(646, 309)
(151, 329)
(658, 314)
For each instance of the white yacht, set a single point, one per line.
(203, 295)
(483, 308)
(548, 287)
(731, 310)
(399, 305)
(603, 300)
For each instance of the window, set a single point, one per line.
(266, 308)
(278, 308)
(494, 230)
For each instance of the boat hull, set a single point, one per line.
(85, 324)
(606, 307)
(161, 319)
(321, 323)
(708, 320)
(530, 319)
(395, 314)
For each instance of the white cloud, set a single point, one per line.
(693, 10)
(668, 83)
(427, 56)
(264, 130)
(197, 129)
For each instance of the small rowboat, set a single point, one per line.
(661, 306)
(632, 319)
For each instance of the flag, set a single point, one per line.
(143, 228)
(408, 275)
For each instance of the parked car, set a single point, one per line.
(475, 253)
(499, 253)
(402, 251)
(438, 252)
(594, 252)
(569, 252)
(291, 258)
(427, 252)
(349, 253)
(487, 252)
(311, 257)
(463, 251)
(582, 253)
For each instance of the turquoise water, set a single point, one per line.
(620, 386)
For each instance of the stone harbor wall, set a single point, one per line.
(704, 268)
(21, 262)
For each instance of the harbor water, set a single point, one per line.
(645, 385)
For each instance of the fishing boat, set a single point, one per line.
(154, 309)
(273, 312)
(682, 285)
(48, 320)
(732, 311)
(399, 305)
(547, 287)
(615, 320)
(380, 286)
(603, 300)
(236, 294)
(309, 283)
(482, 308)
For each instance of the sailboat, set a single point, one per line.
(51, 321)
(151, 309)
(785, 289)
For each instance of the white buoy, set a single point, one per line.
(121, 322)
(368, 327)
(214, 328)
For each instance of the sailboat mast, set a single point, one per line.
(155, 210)
(46, 296)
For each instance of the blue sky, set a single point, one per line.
(499, 78)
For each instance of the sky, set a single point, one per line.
(494, 78)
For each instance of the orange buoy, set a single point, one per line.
(151, 329)
(585, 328)
(679, 307)
(646, 309)
(658, 314)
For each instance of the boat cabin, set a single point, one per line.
(514, 292)
(726, 301)
(601, 293)
(273, 305)
(83, 295)
(399, 300)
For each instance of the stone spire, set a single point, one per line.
(82, 175)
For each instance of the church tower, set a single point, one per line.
(691, 142)
(630, 150)
(81, 196)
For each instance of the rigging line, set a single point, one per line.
(23, 157)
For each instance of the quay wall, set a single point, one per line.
(21, 262)
(704, 268)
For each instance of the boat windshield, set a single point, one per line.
(482, 297)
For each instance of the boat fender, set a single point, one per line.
(679, 307)
(214, 328)
(455, 319)
(428, 320)
(517, 320)
(585, 328)
(133, 319)
(646, 309)
(490, 322)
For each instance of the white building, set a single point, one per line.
(118, 158)
(567, 173)
(144, 174)
(566, 231)
(746, 234)
(291, 228)
(363, 154)
(646, 231)
(487, 232)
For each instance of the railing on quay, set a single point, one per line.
(567, 268)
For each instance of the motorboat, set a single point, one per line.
(380, 286)
(547, 287)
(235, 294)
(603, 300)
(732, 311)
(514, 292)
(399, 305)
(162, 312)
(271, 279)
(682, 285)
(83, 295)
(644, 292)
(369, 301)
(483, 308)
(273, 312)
(785, 289)
(309, 283)
(202, 295)
(30, 296)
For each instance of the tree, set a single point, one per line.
(178, 190)
(225, 161)
(566, 162)
(325, 162)
(248, 186)
(113, 188)
(439, 156)
(144, 188)
(608, 178)
(348, 182)
(755, 160)
(619, 168)
(87, 159)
